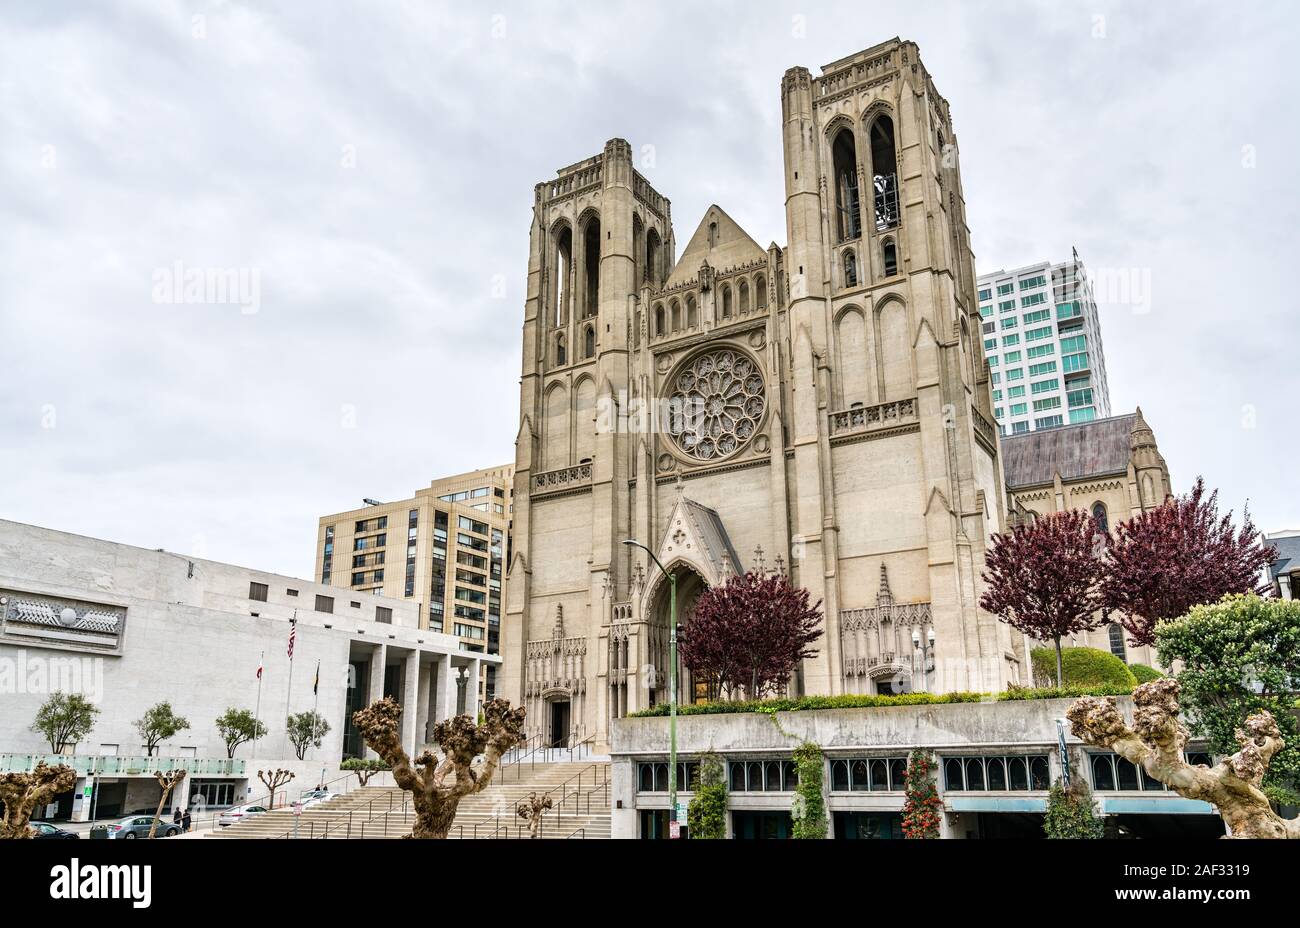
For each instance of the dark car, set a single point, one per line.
(46, 830)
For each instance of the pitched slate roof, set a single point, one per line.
(1288, 554)
(714, 535)
(1090, 449)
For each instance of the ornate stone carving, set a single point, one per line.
(717, 402)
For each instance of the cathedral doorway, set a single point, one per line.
(559, 736)
(689, 587)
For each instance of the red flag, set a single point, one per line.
(259, 670)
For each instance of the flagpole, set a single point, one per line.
(257, 712)
(315, 690)
(288, 695)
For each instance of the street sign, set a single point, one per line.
(681, 812)
(674, 829)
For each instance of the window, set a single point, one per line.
(1100, 516)
(1013, 773)
(1004, 289)
(1037, 370)
(884, 174)
(589, 342)
(1033, 299)
(990, 344)
(1041, 315)
(1036, 335)
(1019, 409)
(1080, 397)
(1052, 402)
(1074, 343)
(384, 614)
(1082, 415)
(1018, 428)
(1048, 422)
(868, 774)
(1113, 773)
(1039, 351)
(760, 292)
(1006, 306)
(1012, 357)
(844, 157)
(1016, 373)
(1010, 341)
(997, 396)
(890, 253)
(1045, 386)
(986, 294)
(986, 311)
(257, 591)
(1016, 392)
(993, 361)
(1010, 322)
(850, 269)
(1074, 362)
(1029, 283)
(291, 592)
(324, 603)
(1116, 633)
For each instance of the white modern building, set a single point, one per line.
(129, 628)
(1042, 338)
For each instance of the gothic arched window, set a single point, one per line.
(692, 312)
(850, 269)
(589, 342)
(743, 289)
(1099, 516)
(760, 291)
(651, 270)
(659, 319)
(844, 156)
(726, 302)
(591, 266)
(563, 275)
(889, 257)
(884, 173)
(560, 354)
(676, 314)
(1116, 632)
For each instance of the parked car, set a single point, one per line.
(316, 797)
(137, 826)
(46, 830)
(236, 814)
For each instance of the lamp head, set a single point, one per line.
(916, 638)
(930, 636)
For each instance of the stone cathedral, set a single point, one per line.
(820, 409)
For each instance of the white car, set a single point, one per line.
(238, 813)
(316, 797)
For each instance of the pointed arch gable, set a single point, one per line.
(555, 410)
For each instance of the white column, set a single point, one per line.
(378, 661)
(422, 733)
(471, 689)
(410, 708)
(446, 694)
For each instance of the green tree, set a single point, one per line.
(1081, 667)
(707, 815)
(1070, 813)
(307, 730)
(922, 803)
(64, 719)
(808, 809)
(237, 726)
(1239, 656)
(157, 725)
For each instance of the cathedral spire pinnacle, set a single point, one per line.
(884, 597)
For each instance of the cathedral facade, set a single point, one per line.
(820, 409)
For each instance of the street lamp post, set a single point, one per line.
(672, 685)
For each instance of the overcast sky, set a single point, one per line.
(370, 169)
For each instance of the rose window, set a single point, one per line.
(716, 404)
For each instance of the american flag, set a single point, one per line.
(293, 633)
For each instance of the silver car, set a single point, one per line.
(237, 814)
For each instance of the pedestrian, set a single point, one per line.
(176, 816)
(185, 821)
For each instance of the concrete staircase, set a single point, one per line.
(579, 792)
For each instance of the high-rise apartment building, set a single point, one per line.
(446, 548)
(1042, 339)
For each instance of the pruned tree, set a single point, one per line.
(22, 793)
(1044, 578)
(1181, 554)
(168, 782)
(157, 725)
(273, 780)
(237, 726)
(531, 810)
(750, 634)
(64, 719)
(1155, 743)
(471, 755)
(307, 730)
(364, 767)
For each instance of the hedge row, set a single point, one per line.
(876, 701)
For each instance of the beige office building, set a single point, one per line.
(444, 548)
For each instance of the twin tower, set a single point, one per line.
(820, 410)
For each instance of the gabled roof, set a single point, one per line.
(1288, 553)
(1100, 448)
(732, 247)
(696, 533)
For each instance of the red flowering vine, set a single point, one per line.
(922, 808)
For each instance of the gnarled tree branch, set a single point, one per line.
(23, 792)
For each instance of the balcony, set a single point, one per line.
(872, 418)
(562, 480)
(125, 765)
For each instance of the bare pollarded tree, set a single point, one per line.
(471, 754)
(273, 780)
(532, 809)
(1155, 743)
(168, 782)
(22, 793)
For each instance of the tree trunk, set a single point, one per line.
(1156, 741)
(1060, 675)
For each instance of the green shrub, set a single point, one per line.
(1070, 813)
(1082, 667)
(808, 808)
(706, 817)
(1144, 674)
(1020, 693)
